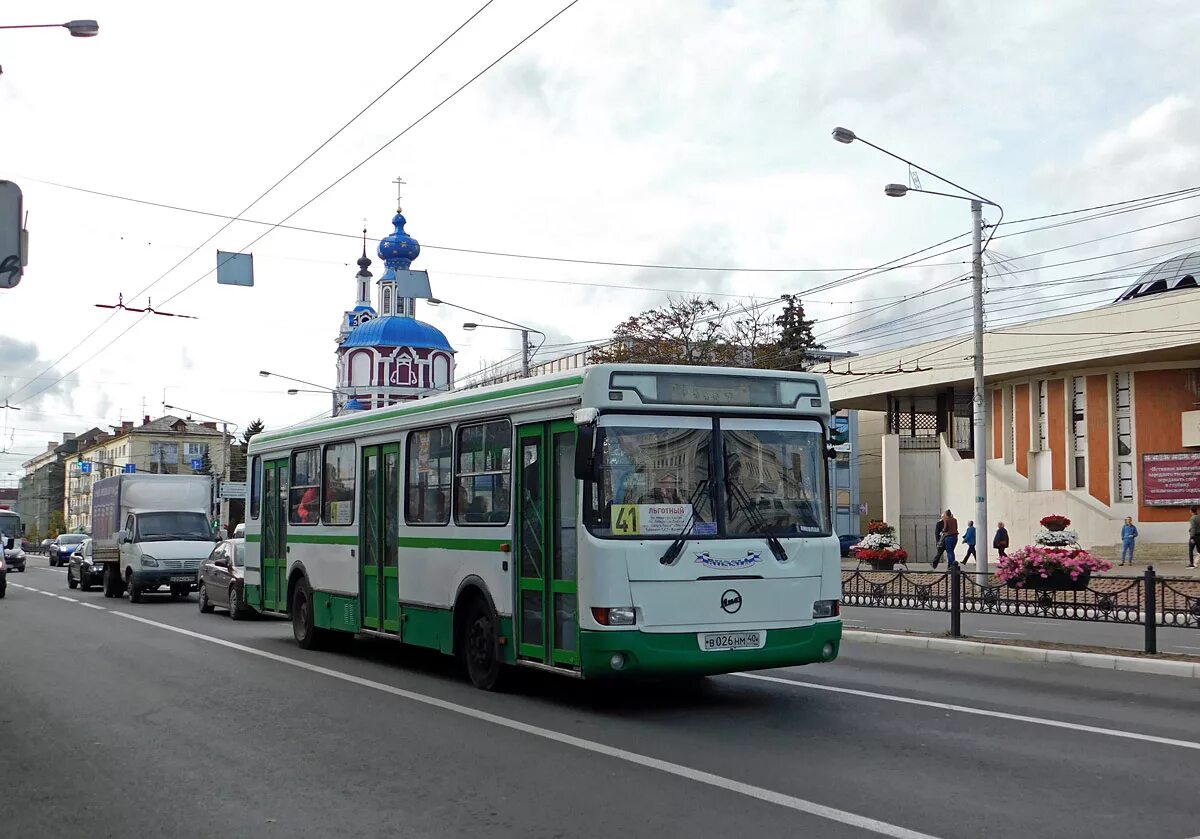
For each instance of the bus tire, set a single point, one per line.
(308, 635)
(481, 645)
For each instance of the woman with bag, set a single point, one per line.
(1000, 542)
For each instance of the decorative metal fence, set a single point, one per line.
(1148, 600)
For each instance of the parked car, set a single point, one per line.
(220, 579)
(81, 571)
(60, 549)
(848, 540)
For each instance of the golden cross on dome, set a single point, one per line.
(399, 182)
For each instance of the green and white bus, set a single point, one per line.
(614, 520)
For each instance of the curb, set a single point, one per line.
(1129, 664)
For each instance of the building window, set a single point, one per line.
(304, 499)
(1042, 424)
(338, 491)
(1010, 422)
(427, 488)
(164, 458)
(196, 450)
(1079, 429)
(255, 488)
(387, 302)
(1123, 431)
(484, 466)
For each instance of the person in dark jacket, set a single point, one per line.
(1000, 542)
(941, 544)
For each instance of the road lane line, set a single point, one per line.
(68, 599)
(92, 606)
(995, 632)
(980, 712)
(679, 771)
(47, 593)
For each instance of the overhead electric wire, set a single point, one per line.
(232, 219)
(337, 181)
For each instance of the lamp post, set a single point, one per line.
(979, 396)
(321, 389)
(225, 439)
(77, 28)
(512, 326)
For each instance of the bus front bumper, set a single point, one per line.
(679, 654)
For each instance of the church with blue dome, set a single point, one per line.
(384, 354)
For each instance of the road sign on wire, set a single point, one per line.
(12, 244)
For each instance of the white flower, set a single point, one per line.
(878, 542)
(1057, 538)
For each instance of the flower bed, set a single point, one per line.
(1050, 567)
(879, 547)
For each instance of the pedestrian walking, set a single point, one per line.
(939, 539)
(969, 541)
(1128, 537)
(1000, 540)
(1193, 535)
(950, 537)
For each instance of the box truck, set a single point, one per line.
(151, 531)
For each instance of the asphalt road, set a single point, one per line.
(1183, 641)
(154, 720)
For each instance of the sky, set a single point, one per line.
(660, 133)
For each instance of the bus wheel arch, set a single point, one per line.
(297, 574)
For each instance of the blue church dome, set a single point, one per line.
(395, 331)
(398, 249)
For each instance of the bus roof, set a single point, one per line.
(589, 385)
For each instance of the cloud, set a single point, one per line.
(25, 373)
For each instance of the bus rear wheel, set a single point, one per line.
(308, 635)
(480, 647)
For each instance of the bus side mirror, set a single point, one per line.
(9, 543)
(585, 453)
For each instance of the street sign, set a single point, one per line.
(236, 268)
(197, 464)
(85, 468)
(232, 490)
(12, 246)
(130, 468)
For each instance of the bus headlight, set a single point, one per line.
(827, 608)
(614, 616)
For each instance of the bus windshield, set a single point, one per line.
(10, 525)
(163, 527)
(774, 478)
(658, 479)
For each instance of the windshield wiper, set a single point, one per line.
(755, 518)
(676, 547)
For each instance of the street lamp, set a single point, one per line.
(225, 439)
(979, 397)
(351, 404)
(512, 325)
(77, 28)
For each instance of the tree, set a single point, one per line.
(206, 464)
(687, 331)
(33, 535)
(795, 337)
(58, 524)
(255, 427)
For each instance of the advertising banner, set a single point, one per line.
(1171, 480)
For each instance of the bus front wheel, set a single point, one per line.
(308, 635)
(480, 646)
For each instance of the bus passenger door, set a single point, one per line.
(547, 609)
(378, 581)
(274, 535)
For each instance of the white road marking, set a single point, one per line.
(92, 606)
(686, 772)
(980, 712)
(56, 570)
(995, 632)
(47, 593)
(68, 599)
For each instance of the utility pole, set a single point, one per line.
(979, 397)
(524, 353)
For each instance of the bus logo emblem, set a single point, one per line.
(731, 601)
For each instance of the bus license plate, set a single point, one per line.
(714, 641)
